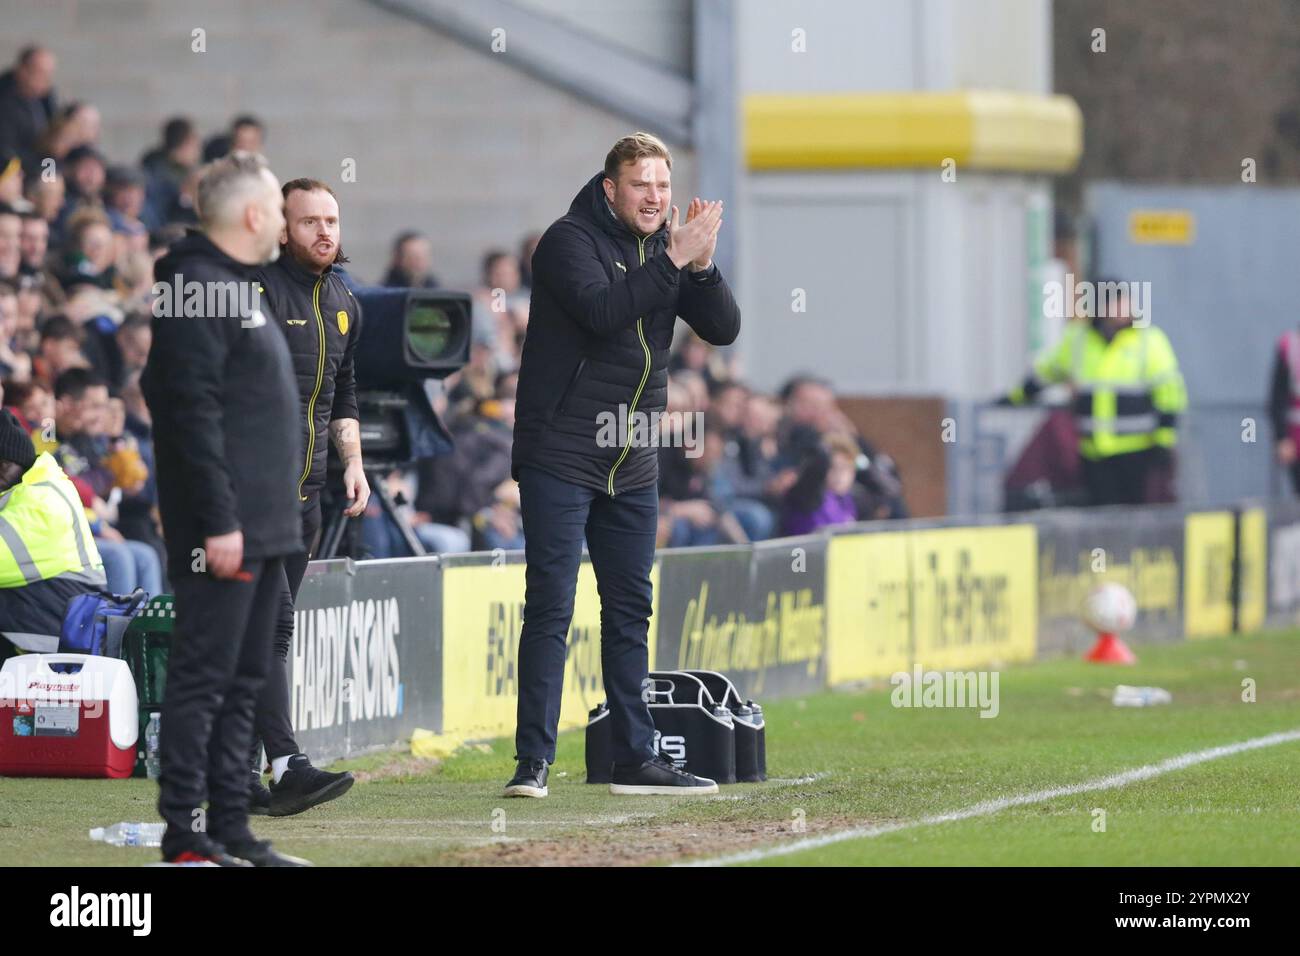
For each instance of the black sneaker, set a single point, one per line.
(303, 786)
(259, 798)
(261, 853)
(529, 779)
(658, 776)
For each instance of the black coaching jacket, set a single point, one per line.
(600, 324)
(321, 323)
(219, 387)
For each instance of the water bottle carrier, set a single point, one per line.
(695, 726)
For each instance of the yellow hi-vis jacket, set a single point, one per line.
(1128, 392)
(43, 530)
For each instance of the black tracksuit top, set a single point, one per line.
(220, 389)
(321, 323)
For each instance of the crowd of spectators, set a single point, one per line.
(79, 234)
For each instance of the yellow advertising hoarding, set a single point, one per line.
(976, 594)
(868, 606)
(482, 614)
(942, 599)
(1207, 574)
(1252, 607)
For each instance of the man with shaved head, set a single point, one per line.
(220, 387)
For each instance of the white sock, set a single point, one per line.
(278, 766)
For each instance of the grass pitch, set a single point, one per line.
(839, 761)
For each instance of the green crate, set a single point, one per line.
(145, 648)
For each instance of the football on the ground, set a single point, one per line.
(1110, 608)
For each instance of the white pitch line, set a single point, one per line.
(989, 807)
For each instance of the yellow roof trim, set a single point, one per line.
(1020, 132)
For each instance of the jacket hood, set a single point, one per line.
(590, 204)
(196, 245)
(45, 468)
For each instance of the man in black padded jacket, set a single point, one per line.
(610, 279)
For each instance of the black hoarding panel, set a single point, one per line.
(756, 614)
(365, 665)
(1079, 549)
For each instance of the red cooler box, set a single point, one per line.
(77, 721)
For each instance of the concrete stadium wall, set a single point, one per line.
(659, 31)
(445, 139)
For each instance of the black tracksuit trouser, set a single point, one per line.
(220, 653)
(620, 535)
(274, 723)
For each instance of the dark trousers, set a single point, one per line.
(620, 535)
(220, 652)
(274, 724)
(1140, 477)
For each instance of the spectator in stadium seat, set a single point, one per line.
(47, 556)
(411, 264)
(130, 454)
(47, 198)
(695, 355)
(500, 310)
(698, 496)
(822, 496)
(33, 405)
(247, 134)
(11, 258)
(133, 338)
(86, 172)
(185, 211)
(759, 452)
(473, 383)
(33, 243)
(27, 102)
(31, 307)
(124, 202)
(472, 485)
(75, 127)
(60, 350)
(165, 168)
(811, 415)
(15, 364)
(11, 183)
(90, 255)
(83, 452)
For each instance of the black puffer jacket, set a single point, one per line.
(225, 414)
(321, 322)
(600, 325)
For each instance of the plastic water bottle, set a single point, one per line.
(152, 765)
(130, 834)
(1126, 696)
